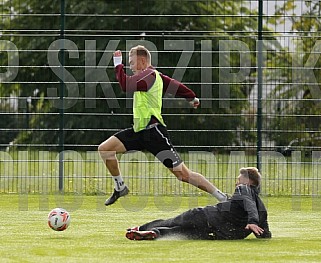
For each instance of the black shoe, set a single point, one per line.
(116, 194)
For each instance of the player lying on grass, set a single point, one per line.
(149, 132)
(242, 214)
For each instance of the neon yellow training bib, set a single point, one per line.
(147, 104)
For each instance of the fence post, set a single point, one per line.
(259, 83)
(61, 97)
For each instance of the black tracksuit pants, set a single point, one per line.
(192, 224)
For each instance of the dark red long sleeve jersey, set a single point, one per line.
(145, 80)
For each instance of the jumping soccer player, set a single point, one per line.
(149, 130)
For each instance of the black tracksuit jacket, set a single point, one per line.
(228, 219)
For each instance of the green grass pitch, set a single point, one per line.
(97, 234)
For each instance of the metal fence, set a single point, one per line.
(255, 65)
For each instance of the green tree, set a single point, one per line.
(299, 92)
(103, 21)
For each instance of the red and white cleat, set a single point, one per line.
(142, 235)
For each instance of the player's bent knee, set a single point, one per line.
(105, 153)
(106, 146)
(102, 148)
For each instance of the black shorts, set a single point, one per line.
(155, 140)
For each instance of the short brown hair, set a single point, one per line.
(141, 51)
(253, 174)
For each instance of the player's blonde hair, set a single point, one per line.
(141, 51)
(252, 173)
